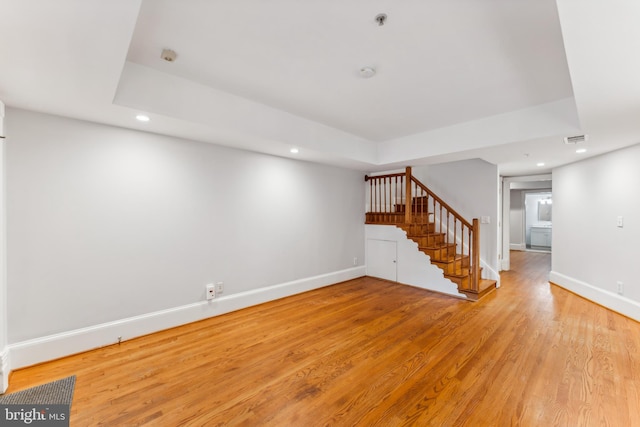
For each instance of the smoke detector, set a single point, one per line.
(168, 55)
(572, 140)
(381, 19)
(367, 72)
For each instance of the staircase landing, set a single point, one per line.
(486, 287)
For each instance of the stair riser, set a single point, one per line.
(413, 229)
(418, 208)
(485, 288)
(431, 240)
(462, 282)
(451, 267)
(384, 218)
(418, 222)
(439, 254)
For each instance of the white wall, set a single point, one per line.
(106, 224)
(516, 221)
(519, 227)
(531, 213)
(590, 253)
(4, 351)
(413, 266)
(471, 188)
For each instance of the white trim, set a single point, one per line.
(610, 300)
(517, 246)
(490, 273)
(5, 370)
(5, 365)
(51, 347)
(506, 208)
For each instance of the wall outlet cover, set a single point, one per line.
(210, 291)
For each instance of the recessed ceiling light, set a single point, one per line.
(294, 150)
(581, 150)
(367, 72)
(142, 118)
(540, 164)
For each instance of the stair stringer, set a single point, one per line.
(413, 266)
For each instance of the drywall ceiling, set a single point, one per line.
(500, 80)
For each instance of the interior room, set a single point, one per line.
(321, 213)
(531, 211)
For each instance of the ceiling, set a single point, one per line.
(500, 80)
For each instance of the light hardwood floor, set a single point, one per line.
(369, 352)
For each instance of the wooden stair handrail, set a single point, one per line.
(442, 202)
(408, 199)
(475, 253)
(390, 175)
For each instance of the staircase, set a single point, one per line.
(451, 242)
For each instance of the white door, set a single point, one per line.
(381, 259)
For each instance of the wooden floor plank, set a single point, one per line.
(370, 352)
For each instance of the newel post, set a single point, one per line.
(407, 198)
(475, 275)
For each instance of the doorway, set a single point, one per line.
(538, 220)
(512, 224)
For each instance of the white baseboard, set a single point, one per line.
(5, 369)
(51, 347)
(610, 300)
(518, 246)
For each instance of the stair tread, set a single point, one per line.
(442, 245)
(458, 274)
(486, 283)
(485, 287)
(451, 259)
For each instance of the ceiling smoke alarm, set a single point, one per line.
(168, 55)
(381, 19)
(367, 72)
(572, 140)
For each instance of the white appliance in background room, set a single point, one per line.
(538, 221)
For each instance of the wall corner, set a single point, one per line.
(5, 369)
(5, 366)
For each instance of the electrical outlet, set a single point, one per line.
(219, 287)
(355, 260)
(620, 288)
(211, 291)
